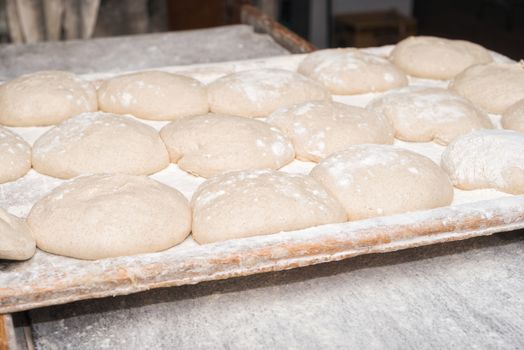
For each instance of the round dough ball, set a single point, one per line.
(17, 243)
(376, 180)
(102, 216)
(99, 143)
(513, 118)
(437, 58)
(257, 93)
(487, 159)
(45, 98)
(15, 156)
(493, 87)
(351, 71)
(259, 202)
(211, 144)
(423, 114)
(319, 128)
(153, 95)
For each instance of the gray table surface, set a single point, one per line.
(467, 294)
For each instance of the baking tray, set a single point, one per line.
(49, 279)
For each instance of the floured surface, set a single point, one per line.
(48, 279)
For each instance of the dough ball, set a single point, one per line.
(493, 87)
(15, 156)
(153, 95)
(99, 143)
(16, 241)
(487, 159)
(513, 118)
(45, 98)
(257, 93)
(423, 114)
(211, 144)
(320, 128)
(259, 202)
(102, 216)
(376, 180)
(437, 58)
(351, 71)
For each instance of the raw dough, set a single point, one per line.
(351, 71)
(101, 216)
(45, 98)
(493, 87)
(487, 159)
(257, 93)
(211, 144)
(320, 128)
(153, 95)
(437, 58)
(513, 118)
(15, 156)
(258, 202)
(376, 180)
(16, 241)
(423, 114)
(99, 143)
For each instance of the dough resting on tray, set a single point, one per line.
(102, 216)
(211, 144)
(320, 128)
(15, 156)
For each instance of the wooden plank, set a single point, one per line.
(263, 23)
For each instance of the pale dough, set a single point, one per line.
(320, 128)
(99, 143)
(377, 180)
(16, 241)
(513, 118)
(487, 159)
(15, 156)
(350, 71)
(437, 58)
(45, 98)
(493, 87)
(257, 93)
(102, 216)
(259, 202)
(153, 95)
(424, 114)
(211, 144)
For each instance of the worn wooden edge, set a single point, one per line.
(272, 253)
(261, 22)
(7, 333)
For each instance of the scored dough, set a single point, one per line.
(211, 144)
(437, 58)
(153, 95)
(16, 241)
(101, 216)
(513, 118)
(423, 114)
(45, 98)
(487, 159)
(257, 93)
(376, 180)
(99, 143)
(351, 71)
(259, 202)
(319, 128)
(15, 156)
(493, 87)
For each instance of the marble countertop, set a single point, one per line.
(467, 294)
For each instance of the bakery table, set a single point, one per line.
(465, 294)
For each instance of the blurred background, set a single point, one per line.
(495, 24)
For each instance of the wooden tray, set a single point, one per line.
(48, 279)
